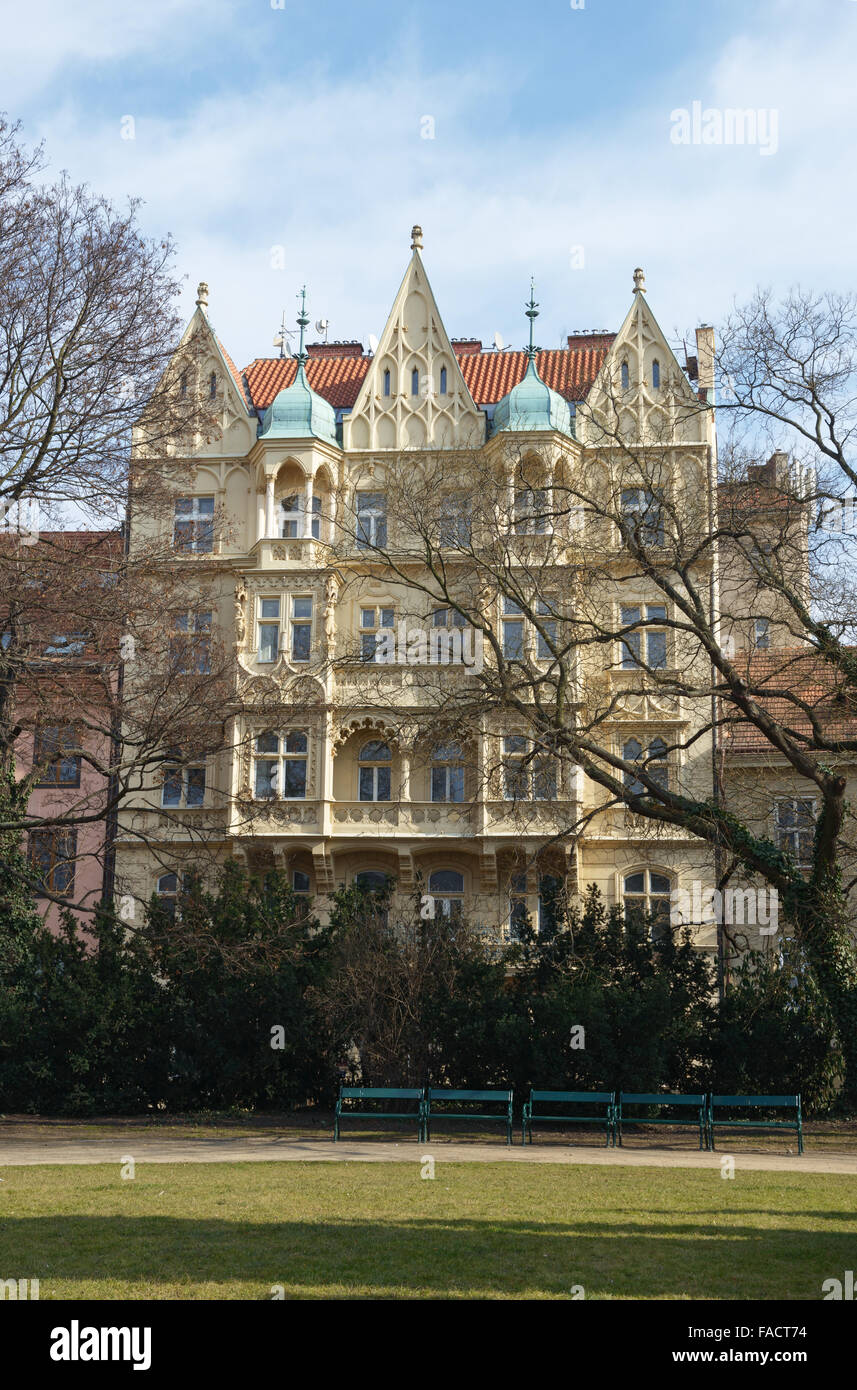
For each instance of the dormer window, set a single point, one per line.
(212, 386)
(656, 375)
(387, 382)
(415, 382)
(626, 376)
(443, 381)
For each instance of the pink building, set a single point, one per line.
(65, 645)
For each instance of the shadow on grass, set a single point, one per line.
(433, 1257)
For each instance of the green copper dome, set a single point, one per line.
(532, 405)
(298, 412)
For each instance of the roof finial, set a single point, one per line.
(532, 312)
(416, 238)
(202, 296)
(639, 280)
(303, 320)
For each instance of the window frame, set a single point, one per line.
(283, 757)
(374, 534)
(375, 766)
(55, 764)
(198, 526)
(53, 837)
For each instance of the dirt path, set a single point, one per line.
(278, 1150)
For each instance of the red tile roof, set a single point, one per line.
(803, 674)
(489, 375)
(233, 370)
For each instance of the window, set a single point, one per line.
(301, 629)
(656, 375)
(375, 885)
(447, 772)
(184, 386)
(550, 902)
(281, 766)
(65, 644)
(415, 382)
(193, 528)
(387, 382)
(374, 771)
(655, 764)
(530, 508)
(302, 891)
(518, 915)
(167, 890)
(546, 611)
(371, 519)
(294, 510)
(794, 821)
(52, 854)
(455, 521)
(183, 786)
(648, 892)
(527, 776)
(513, 630)
(372, 620)
(212, 386)
(443, 381)
(448, 617)
(626, 376)
(190, 645)
(655, 639)
(52, 754)
(762, 633)
(269, 629)
(642, 514)
(447, 888)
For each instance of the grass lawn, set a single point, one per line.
(353, 1230)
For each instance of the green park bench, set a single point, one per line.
(792, 1123)
(606, 1099)
(443, 1095)
(379, 1093)
(695, 1105)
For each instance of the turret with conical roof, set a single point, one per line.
(298, 412)
(532, 405)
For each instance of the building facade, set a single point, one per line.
(326, 767)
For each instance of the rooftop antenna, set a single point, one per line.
(321, 326)
(282, 339)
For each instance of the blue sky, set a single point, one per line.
(293, 137)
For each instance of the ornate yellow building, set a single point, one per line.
(327, 770)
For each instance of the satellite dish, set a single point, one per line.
(498, 342)
(322, 326)
(373, 344)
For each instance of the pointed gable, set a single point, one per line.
(414, 395)
(641, 386)
(201, 354)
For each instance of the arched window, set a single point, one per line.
(626, 376)
(656, 374)
(168, 892)
(371, 880)
(443, 381)
(387, 382)
(447, 888)
(212, 386)
(447, 773)
(648, 892)
(415, 382)
(374, 771)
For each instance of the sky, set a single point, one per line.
(291, 142)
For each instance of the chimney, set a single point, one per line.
(705, 362)
(462, 347)
(337, 349)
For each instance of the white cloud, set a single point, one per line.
(336, 173)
